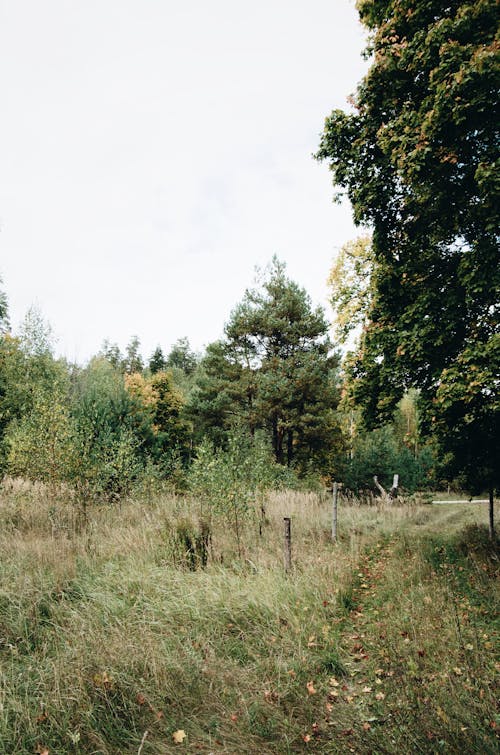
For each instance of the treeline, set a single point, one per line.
(266, 403)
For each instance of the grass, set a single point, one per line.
(110, 642)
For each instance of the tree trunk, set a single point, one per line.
(275, 436)
(289, 447)
(277, 439)
(491, 513)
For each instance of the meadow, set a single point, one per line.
(117, 637)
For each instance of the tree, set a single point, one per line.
(40, 444)
(419, 161)
(182, 357)
(157, 362)
(4, 311)
(133, 360)
(350, 282)
(275, 370)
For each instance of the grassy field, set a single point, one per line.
(113, 639)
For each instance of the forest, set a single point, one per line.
(149, 599)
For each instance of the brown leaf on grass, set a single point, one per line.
(41, 750)
(310, 688)
(179, 736)
(366, 726)
(306, 737)
(41, 718)
(140, 699)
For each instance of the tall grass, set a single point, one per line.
(111, 639)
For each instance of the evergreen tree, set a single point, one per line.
(157, 362)
(274, 370)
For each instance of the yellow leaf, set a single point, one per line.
(442, 715)
(179, 736)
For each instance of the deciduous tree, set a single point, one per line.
(418, 159)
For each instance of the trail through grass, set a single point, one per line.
(382, 643)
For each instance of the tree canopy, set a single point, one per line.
(418, 158)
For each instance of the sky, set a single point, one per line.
(153, 153)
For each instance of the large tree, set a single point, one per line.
(418, 158)
(274, 370)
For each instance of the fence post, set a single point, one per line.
(334, 511)
(287, 544)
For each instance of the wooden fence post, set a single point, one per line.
(334, 511)
(288, 544)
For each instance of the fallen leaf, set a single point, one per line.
(458, 671)
(179, 736)
(366, 690)
(442, 715)
(140, 699)
(234, 717)
(310, 688)
(306, 737)
(366, 726)
(41, 750)
(379, 696)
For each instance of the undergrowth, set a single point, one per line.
(117, 637)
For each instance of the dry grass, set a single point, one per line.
(106, 633)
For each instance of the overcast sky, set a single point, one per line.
(153, 152)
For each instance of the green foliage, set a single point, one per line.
(41, 443)
(157, 362)
(232, 483)
(133, 360)
(105, 431)
(4, 311)
(28, 370)
(273, 371)
(379, 453)
(182, 357)
(419, 161)
(350, 281)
